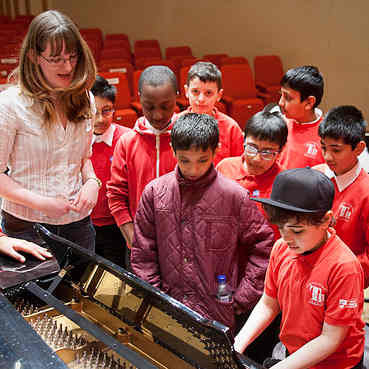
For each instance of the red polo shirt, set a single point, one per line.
(351, 212)
(258, 186)
(324, 286)
(303, 145)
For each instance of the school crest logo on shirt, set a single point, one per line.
(255, 193)
(344, 212)
(317, 293)
(311, 149)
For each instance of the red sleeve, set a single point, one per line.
(345, 298)
(364, 255)
(364, 261)
(144, 252)
(117, 187)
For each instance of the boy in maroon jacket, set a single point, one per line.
(192, 225)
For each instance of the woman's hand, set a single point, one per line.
(9, 246)
(55, 207)
(87, 197)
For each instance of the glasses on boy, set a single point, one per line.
(106, 112)
(265, 154)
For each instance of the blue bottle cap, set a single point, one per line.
(221, 278)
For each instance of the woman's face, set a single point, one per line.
(58, 70)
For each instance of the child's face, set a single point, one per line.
(158, 104)
(265, 157)
(339, 156)
(104, 115)
(194, 163)
(302, 237)
(292, 106)
(202, 95)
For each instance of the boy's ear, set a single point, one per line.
(329, 219)
(186, 90)
(310, 102)
(220, 94)
(360, 147)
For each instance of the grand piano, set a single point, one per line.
(110, 319)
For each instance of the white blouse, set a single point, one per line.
(47, 163)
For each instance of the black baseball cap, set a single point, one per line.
(303, 190)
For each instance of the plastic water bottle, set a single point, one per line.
(224, 293)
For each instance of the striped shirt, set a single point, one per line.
(45, 162)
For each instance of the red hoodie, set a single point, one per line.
(140, 156)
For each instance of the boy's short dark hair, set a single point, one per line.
(194, 130)
(102, 88)
(281, 216)
(205, 72)
(307, 80)
(267, 126)
(344, 122)
(157, 75)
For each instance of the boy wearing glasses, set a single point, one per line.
(265, 136)
(106, 135)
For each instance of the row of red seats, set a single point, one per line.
(19, 19)
(12, 33)
(241, 98)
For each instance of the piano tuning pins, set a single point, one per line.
(54, 328)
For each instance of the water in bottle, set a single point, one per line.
(224, 293)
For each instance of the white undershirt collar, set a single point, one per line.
(346, 179)
(106, 137)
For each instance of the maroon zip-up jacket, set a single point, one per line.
(188, 232)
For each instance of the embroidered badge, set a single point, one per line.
(317, 293)
(311, 149)
(256, 193)
(344, 212)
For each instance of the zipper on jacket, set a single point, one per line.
(157, 139)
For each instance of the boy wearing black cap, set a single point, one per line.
(313, 278)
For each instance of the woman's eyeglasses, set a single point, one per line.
(265, 154)
(59, 61)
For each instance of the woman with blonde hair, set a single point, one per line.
(46, 122)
